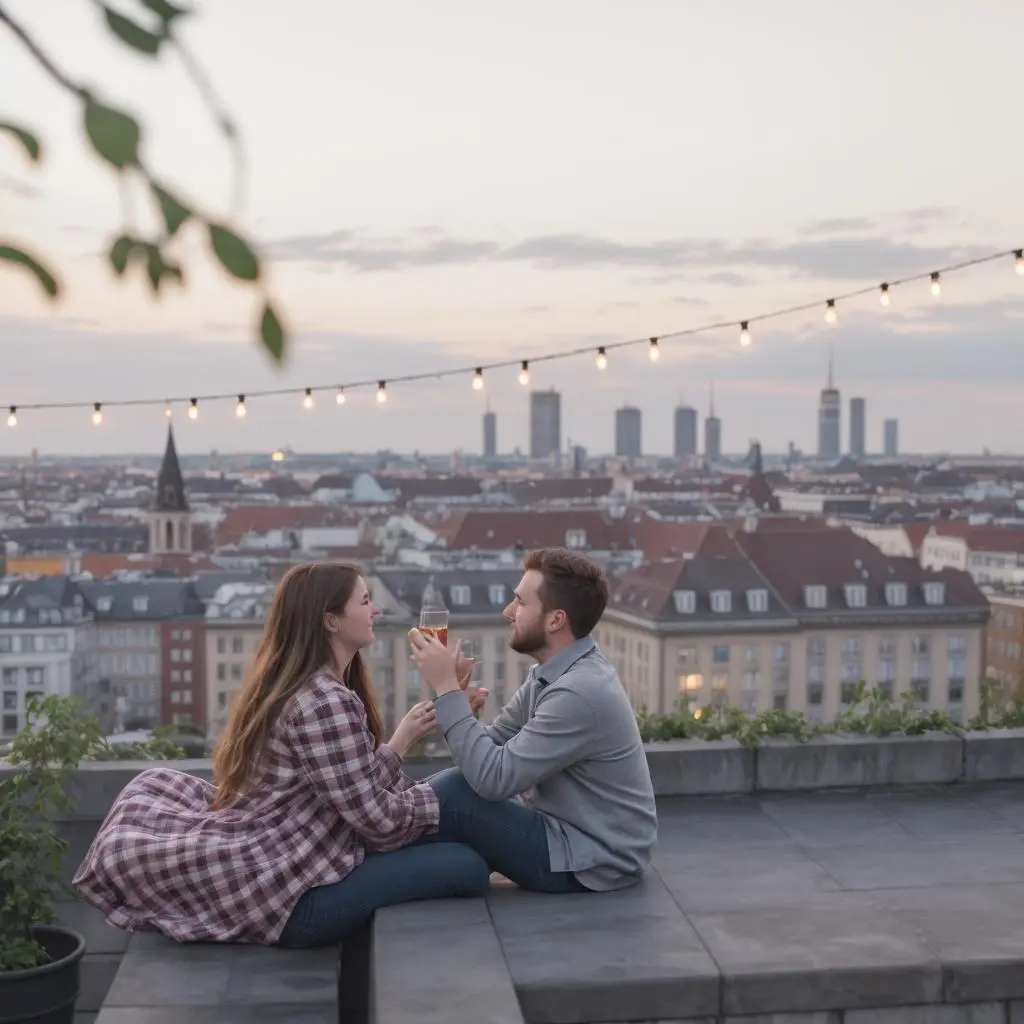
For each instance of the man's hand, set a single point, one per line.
(436, 663)
(477, 700)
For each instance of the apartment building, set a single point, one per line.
(795, 620)
(1004, 641)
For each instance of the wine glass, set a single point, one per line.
(434, 622)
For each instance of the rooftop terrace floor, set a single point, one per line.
(840, 906)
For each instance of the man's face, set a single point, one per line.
(526, 614)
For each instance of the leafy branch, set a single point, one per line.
(116, 137)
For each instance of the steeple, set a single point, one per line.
(170, 485)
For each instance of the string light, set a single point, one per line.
(745, 334)
(240, 408)
(340, 396)
(168, 411)
(653, 352)
(831, 316)
(12, 417)
(307, 401)
(478, 379)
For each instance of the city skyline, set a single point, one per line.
(401, 242)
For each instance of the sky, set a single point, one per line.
(443, 185)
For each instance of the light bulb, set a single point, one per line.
(830, 312)
(340, 396)
(1018, 261)
(12, 419)
(936, 284)
(97, 414)
(744, 334)
(193, 409)
(478, 379)
(382, 392)
(167, 410)
(883, 295)
(524, 374)
(240, 408)
(602, 359)
(307, 401)
(652, 350)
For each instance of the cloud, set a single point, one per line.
(837, 225)
(728, 278)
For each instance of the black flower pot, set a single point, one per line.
(46, 994)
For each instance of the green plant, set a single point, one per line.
(1000, 707)
(160, 745)
(45, 752)
(117, 138)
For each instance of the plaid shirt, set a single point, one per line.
(163, 861)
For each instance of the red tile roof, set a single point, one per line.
(262, 519)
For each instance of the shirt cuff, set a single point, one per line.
(451, 708)
(391, 765)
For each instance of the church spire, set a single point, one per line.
(170, 484)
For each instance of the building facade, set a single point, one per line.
(685, 433)
(858, 428)
(628, 426)
(1004, 643)
(545, 424)
(891, 438)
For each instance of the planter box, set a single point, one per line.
(700, 767)
(838, 762)
(994, 755)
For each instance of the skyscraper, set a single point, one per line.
(829, 418)
(627, 432)
(545, 423)
(858, 444)
(490, 434)
(891, 446)
(712, 432)
(685, 432)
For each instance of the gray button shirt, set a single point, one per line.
(569, 741)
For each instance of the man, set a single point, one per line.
(567, 743)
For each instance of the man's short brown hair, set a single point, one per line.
(572, 583)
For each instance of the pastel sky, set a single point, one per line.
(443, 184)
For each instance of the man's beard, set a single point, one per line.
(528, 642)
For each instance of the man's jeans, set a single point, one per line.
(331, 913)
(509, 835)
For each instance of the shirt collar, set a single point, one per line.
(557, 666)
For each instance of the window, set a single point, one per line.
(847, 692)
(896, 594)
(175, 654)
(815, 596)
(816, 672)
(500, 645)
(222, 700)
(186, 635)
(499, 671)
(721, 601)
(690, 685)
(10, 724)
(576, 539)
(780, 653)
(10, 677)
(934, 592)
(957, 666)
(852, 647)
(236, 673)
(186, 696)
(222, 671)
(887, 647)
(757, 600)
(186, 654)
(5, 644)
(956, 691)
(921, 669)
(104, 604)
(815, 693)
(886, 672)
(685, 601)
(851, 671)
(175, 696)
(686, 657)
(175, 634)
(856, 595)
(176, 676)
(752, 680)
(237, 644)
(920, 688)
(35, 676)
(720, 654)
(222, 645)
(140, 603)
(461, 595)
(956, 645)
(816, 647)
(922, 645)
(496, 593)
(11, 700)
(779, 702)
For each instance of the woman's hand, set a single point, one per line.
(419, 721)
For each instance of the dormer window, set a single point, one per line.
(576, 539)
(104, 604)
(461, 594)
(496, 594)
(815, 596)
(721, 601)
(934, 593)
(757, 600)
(856, 595)
(685, 601)
(896, 595)
(140, 603)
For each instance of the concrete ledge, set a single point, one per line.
(700, 767)
(994, 756)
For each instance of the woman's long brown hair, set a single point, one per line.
(294, 646)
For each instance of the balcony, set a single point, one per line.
(845, 880)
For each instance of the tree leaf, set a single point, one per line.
(234, 254)
(159, 269)
(26, 138)
(120, 253)
(272, 333)
(167, 11)
(113, 134)
(175, 212)
(133, 35)
(9, 254)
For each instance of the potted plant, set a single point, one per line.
(39, 961)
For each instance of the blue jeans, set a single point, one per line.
(331, 913)
(510, 836)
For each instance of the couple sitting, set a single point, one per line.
(311, 825)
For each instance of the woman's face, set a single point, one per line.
(354, 627)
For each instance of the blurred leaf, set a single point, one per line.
(9, 254)
(133, 35)
(167, 11)
(159, 269)
(234, 254)
(113, 134)
(120, 253)
(26, 138)
(271, 333)
(175, 212)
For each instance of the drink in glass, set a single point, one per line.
(434, 622)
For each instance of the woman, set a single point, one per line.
(307, 828)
